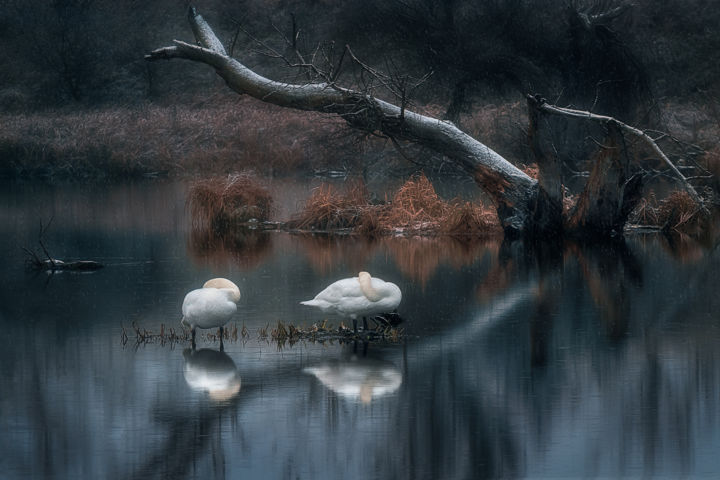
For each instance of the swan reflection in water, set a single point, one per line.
(363, 379)
(213, 372)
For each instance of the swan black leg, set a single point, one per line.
(192, 331)
(222, 334)
(355, 325)
(365, 326)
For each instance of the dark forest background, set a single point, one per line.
(71, 64)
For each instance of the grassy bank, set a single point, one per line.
(222, 135)
(215, 136)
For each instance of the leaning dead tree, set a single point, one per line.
(524, 204)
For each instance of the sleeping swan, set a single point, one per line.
(360, 296)
(210, 306)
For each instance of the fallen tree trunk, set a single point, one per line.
(515, 194)
(524, 205)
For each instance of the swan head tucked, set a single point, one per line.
(224, 284)
(366, 287)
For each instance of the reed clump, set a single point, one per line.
(415, 208)
(678, 212)
(468, 218)
(328, 209)
(217, 203)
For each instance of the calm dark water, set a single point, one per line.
(553, 361)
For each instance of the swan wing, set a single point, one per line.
(336, 292)
(208, 307)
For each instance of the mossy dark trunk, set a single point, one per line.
(547, 215)
(611, 192)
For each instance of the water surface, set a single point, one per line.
(551, 361)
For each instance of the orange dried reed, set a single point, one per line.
(327, 209)
(677, 212)
(219, 202)
(415, 208)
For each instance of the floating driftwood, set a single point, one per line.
(282, 334)
(54, 264)
(50, 264)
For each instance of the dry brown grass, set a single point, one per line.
(219, 206)
(218, 136)
(415, 208)
(678, 212)
(466, 218)
(217, 203)
(646, 212)
(328, 209)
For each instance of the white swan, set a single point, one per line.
(360, 296)
(210, 306)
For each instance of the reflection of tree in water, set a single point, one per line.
(646, 386)
(613, 277)
(243, 247)
(452, 433)
(683, 247)
(189, 435)
(419, 258)
(324, 252)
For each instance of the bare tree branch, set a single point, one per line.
(513, 191)
(637, 133)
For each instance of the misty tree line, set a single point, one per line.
(607, 55)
